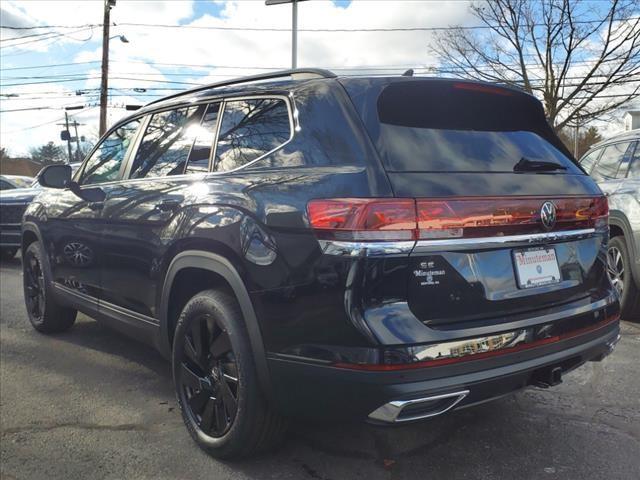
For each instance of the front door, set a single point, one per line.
(73, 230)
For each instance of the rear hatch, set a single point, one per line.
(507, 223)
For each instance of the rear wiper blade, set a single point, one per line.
(527, 165)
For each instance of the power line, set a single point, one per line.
(279, 29)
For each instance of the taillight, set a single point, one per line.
(364, 219)
(424, 219)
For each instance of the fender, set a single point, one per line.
(33, 228)
(619, 219)
(221, 266)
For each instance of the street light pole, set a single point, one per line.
(104, 83)
(294, 27)
(294, 34)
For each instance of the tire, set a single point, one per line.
(45, 313)
(8, 253)
(619, 270)
(218, 376)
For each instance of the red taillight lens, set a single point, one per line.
(364, 219)
(409, 219)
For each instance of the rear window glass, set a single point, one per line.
(432, 126)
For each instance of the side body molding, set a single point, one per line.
(221, 266)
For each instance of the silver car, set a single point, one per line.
(615, 164)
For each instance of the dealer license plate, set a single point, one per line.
(535, 268)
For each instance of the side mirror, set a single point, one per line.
(55, 176)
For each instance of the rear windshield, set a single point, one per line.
(436, 126)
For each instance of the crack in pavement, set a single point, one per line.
(78, 425)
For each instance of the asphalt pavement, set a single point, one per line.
(91, 403)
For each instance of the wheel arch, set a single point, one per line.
(30, 234)
(222, 268)
(619, 222)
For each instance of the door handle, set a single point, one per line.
(169, 205)
(95, 205)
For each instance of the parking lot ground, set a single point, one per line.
(91, 403)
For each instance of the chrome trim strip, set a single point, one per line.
(104, 305)
(366, 249)
(389, 412)
(489, 242)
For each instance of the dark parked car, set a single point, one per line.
(13, 203)
(304, 245)
(615, 164)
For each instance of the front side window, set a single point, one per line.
(167, 140)
(607, 167)
(250, 129)
(104, 164)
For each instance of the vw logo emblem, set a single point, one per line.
(548, 215)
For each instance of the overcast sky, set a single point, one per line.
(177, 55)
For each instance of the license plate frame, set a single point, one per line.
(533, 272)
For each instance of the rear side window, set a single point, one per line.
(249, 130)
(434, 126)
(609, 163)
(166, 143)
(589, 160)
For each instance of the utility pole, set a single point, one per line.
(104, 84)
(294, 27)
(75, 126)
(66, 121)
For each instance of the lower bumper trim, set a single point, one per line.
(416, 409)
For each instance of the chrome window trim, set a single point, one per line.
(221, 101)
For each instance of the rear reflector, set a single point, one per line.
(359, 219)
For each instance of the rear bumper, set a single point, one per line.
(312, 391)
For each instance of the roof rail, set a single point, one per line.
(302, 73)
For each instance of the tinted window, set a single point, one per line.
(588, 160)
(166, 143)
(4, 185)
(104, 164)
(607, 166)
(427, 149)
(445, 126)
(250, 128)
(204, 138)
(634, 169)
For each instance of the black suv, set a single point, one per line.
(304, 245)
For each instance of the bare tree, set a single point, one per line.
(582, 59)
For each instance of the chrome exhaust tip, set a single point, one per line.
(398, 411)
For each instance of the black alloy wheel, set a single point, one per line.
(208, 377)
(45, 313)
(34, 286)
(221, 400)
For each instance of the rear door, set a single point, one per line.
(142, 213)
(508, 223)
